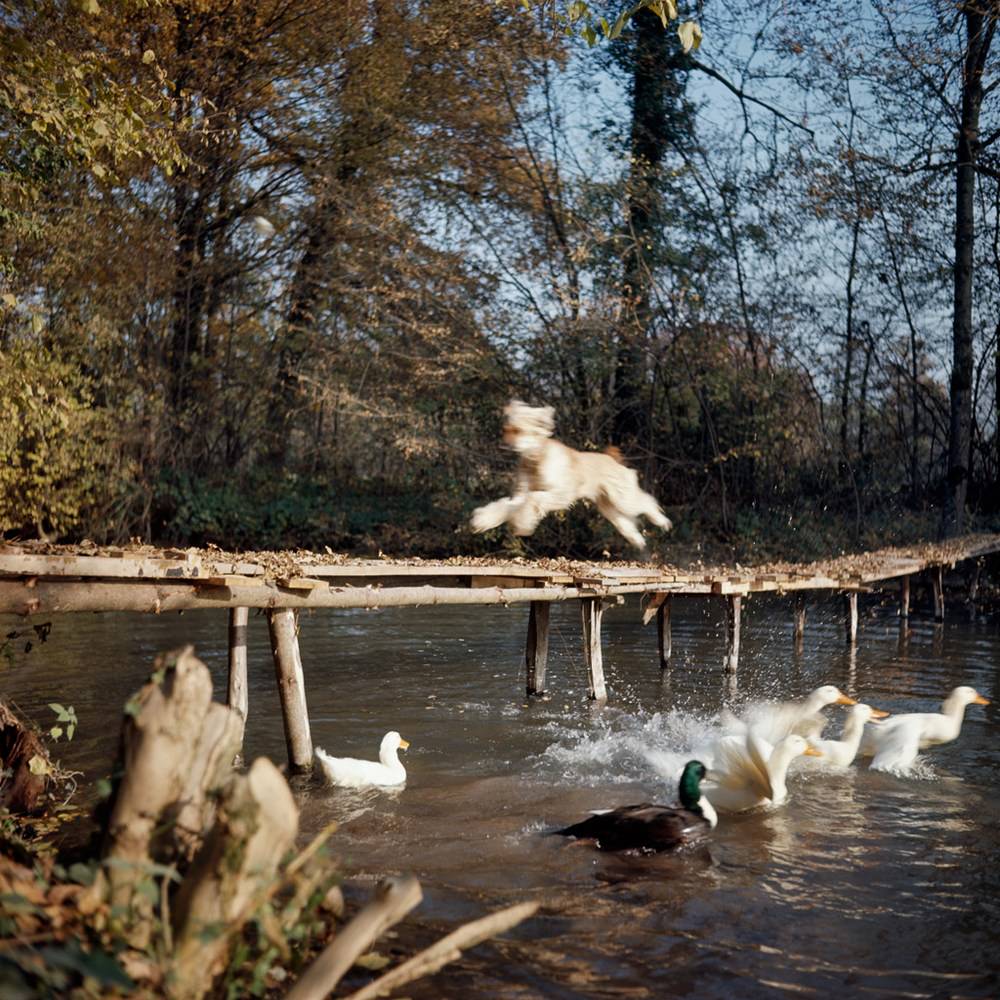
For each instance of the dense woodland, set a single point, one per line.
(270, 271)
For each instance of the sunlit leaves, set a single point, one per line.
(52, 451)
(690, 35)
(580, 18)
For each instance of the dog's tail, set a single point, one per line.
(612, 452)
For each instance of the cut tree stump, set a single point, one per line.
(23, 754)
(176, 749)
(256, 823)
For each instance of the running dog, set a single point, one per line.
(552, 476)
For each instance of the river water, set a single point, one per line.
(861, 884)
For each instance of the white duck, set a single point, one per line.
(348, 772)
(747, 772)
(840, 753)
(774, 720)
(896, 743)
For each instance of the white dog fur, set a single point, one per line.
(552, 476)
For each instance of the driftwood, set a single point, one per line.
(393, 900)
(176, 749)
(447, 950)
(24, 755)
(256, 823)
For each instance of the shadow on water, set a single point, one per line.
(861, 884)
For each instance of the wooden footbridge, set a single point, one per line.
(46, 579)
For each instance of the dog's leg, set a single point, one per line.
(524, 517)
(625, 525)
(492, 515)
(652, 510)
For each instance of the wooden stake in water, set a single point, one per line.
(592, 610)
(239, 698)
(937, 585)
(852, 617)
(536, 651)
(799, 620)
(664, 638)
(282, 623)
(734, 609)
(904, 597)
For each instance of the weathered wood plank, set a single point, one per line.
(283, 625)
(733, 616)
(592, 610)
(664, 638)
(301, 583)
(239, 698)
(28, 564)
(937, 586)
(799, 619)
(47, 596)
(852, 617)
(536, 652)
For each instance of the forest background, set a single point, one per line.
(269, 272)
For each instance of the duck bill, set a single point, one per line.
(812, 752)
(878, 715)
(845, 700)
(404, 744)
(980, 700)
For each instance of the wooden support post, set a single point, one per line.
(664, 638)
(937, 585)
(592, 610)
(904, 597)
(282, 623)
(536, 652)
(974, 573)
(239, 698)
(852, 617)
(733, 633)
(799, 619)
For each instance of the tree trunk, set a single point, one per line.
(657, 89)
(979, 35)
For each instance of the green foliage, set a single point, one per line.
(53, 441)
(308, 512)
(68, 98)
(67, 716)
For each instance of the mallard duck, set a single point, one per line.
(347, 772)
(747, 771)
(896, 743)
(840, 753)
(774, 720)
(647, 827)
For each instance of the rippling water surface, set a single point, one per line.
(862, 884)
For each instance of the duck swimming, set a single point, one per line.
(747, 771)
(896, 743)
(348, 772)
(649, 828)
(840, 753)
(774, 720)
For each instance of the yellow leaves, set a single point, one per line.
(149, 56)
(666, 9)
(9, 300)
(690, 35)
(89, 6)
(39, 765)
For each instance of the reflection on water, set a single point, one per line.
(862, 884)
